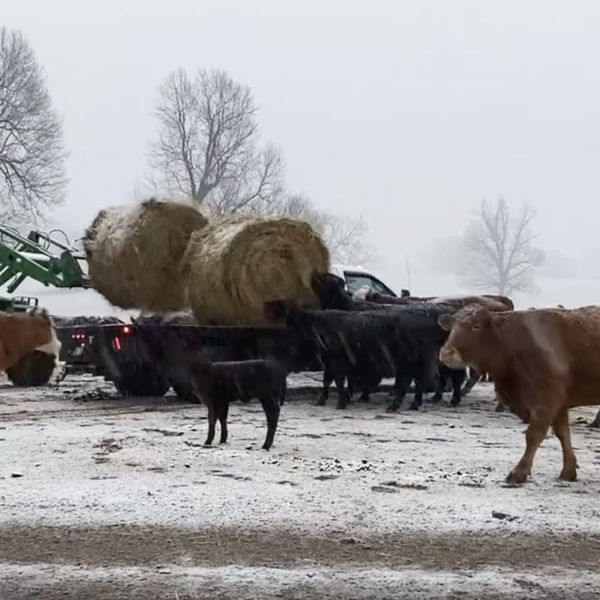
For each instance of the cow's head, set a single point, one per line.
(473, 333)
(42, 332)
(330, 290)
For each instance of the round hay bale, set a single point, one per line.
(134, 253)
(232, 267)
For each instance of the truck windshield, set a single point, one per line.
(354, 281)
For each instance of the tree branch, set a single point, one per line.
(207, 143)
(346, 237)
(32, 150)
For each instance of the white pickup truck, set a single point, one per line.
(357, 277)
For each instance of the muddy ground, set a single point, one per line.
(106, 498)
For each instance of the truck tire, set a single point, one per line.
(34, 370)
(141, 383)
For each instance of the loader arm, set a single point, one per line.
(40, 257)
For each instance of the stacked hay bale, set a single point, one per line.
(134, 253)
(233, 266)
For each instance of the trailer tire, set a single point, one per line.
(140, 383)
(33, 370)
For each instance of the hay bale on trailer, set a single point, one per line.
(232, 267)
(134, 253)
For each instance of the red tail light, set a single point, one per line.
(117, 344)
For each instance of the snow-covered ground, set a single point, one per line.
(361, 470)
(393, 495)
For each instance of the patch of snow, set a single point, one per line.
(245, 582)
(360, 470)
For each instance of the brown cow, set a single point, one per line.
(543, 362)
(22, 333)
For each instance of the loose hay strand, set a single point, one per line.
(134, 253)
(232, 267)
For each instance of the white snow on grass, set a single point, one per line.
(349, 582)
(360, 471)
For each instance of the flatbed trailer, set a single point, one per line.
(132, 356)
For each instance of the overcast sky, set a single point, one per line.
(407, 112)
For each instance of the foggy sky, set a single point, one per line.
(407, 112)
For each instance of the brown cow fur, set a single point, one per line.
(22, 333)
(543, 362)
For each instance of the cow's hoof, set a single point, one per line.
(414, 406)
(455, 403)
(392, 409)
(568, 474)
(320, 402)
(340, 406)
(517, 476)
(500, 408)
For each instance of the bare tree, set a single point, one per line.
(499, 249)
(32, 149)
(346, 237)
(208, 143)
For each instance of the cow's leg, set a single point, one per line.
(474, 377)
(369, 386)
(418, 399)
(327, 380)
(534, 436)
(212, 421)
(401, 385)
(272, 409)
(596, 421)
(343, 397)
(222, 415)
(457, 376)
(351, 383)
(440, 386)
(562, 430)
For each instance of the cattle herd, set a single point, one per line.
(542, 361)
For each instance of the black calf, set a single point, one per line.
(221, 383)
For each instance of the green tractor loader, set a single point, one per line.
(45, 259)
